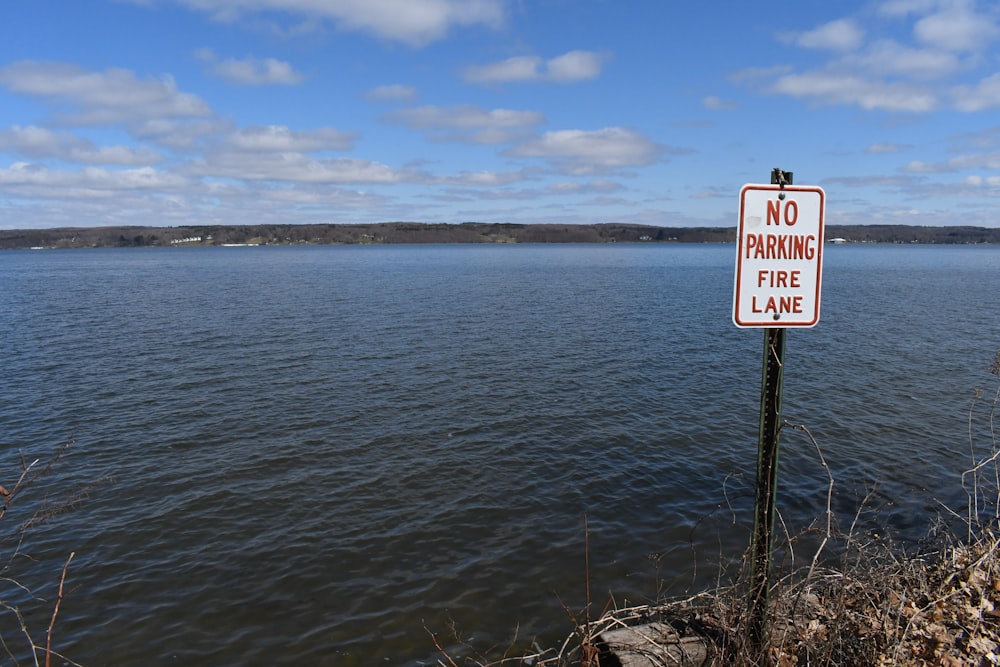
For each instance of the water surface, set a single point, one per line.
(318, 452)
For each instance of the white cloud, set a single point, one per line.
(489, 179)
(984, 95)
(575, 66)
(758, 76)
(956, 28)
(977, 140)
(494, 192)
(278, 138)
(933, 40)
(518, 68)
(414, 22)
(93, 179)
(989, 161)
(74, 197)
(40, 143)
(574, 187)
(869, 181)
(839, 35)
(567, 68)
(845, 89)
(36, 142)
(884, 148)
(919, 167)
(467, 123)
(250, 71)
(906, 7)
(589, 152)
(294, 168)
(114, 155)
(324, 196)
(718, 104)
(890, 58)
(179, 134)
(465, 116)
(713, 192)
(391, 93)
(96, 98)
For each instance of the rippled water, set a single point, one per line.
(319, 452)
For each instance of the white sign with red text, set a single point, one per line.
(779, 256)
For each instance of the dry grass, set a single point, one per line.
(939, 608)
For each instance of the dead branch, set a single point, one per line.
(55, 612)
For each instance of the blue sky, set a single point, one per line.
(184, 112)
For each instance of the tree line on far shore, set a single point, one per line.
(467, 232)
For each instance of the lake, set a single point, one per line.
(316, 455)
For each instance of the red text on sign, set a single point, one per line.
(778, 304)
(781, 246)
(791, 215)
(778, 278)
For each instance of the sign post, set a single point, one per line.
(778, 276)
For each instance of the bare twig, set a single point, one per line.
(440, 648)
(55, 611)
(974, 505)
(588, 652)
(586, 569)
(22, 481)
(829, 493)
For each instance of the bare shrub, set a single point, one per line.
(20, 512)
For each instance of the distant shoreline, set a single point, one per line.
(466, 232)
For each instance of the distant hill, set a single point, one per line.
(466, 232)
(913, 234)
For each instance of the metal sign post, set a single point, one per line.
(778, 272)
(767, 483)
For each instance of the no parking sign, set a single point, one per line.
(779, 256)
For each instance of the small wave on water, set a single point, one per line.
(318, 453)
